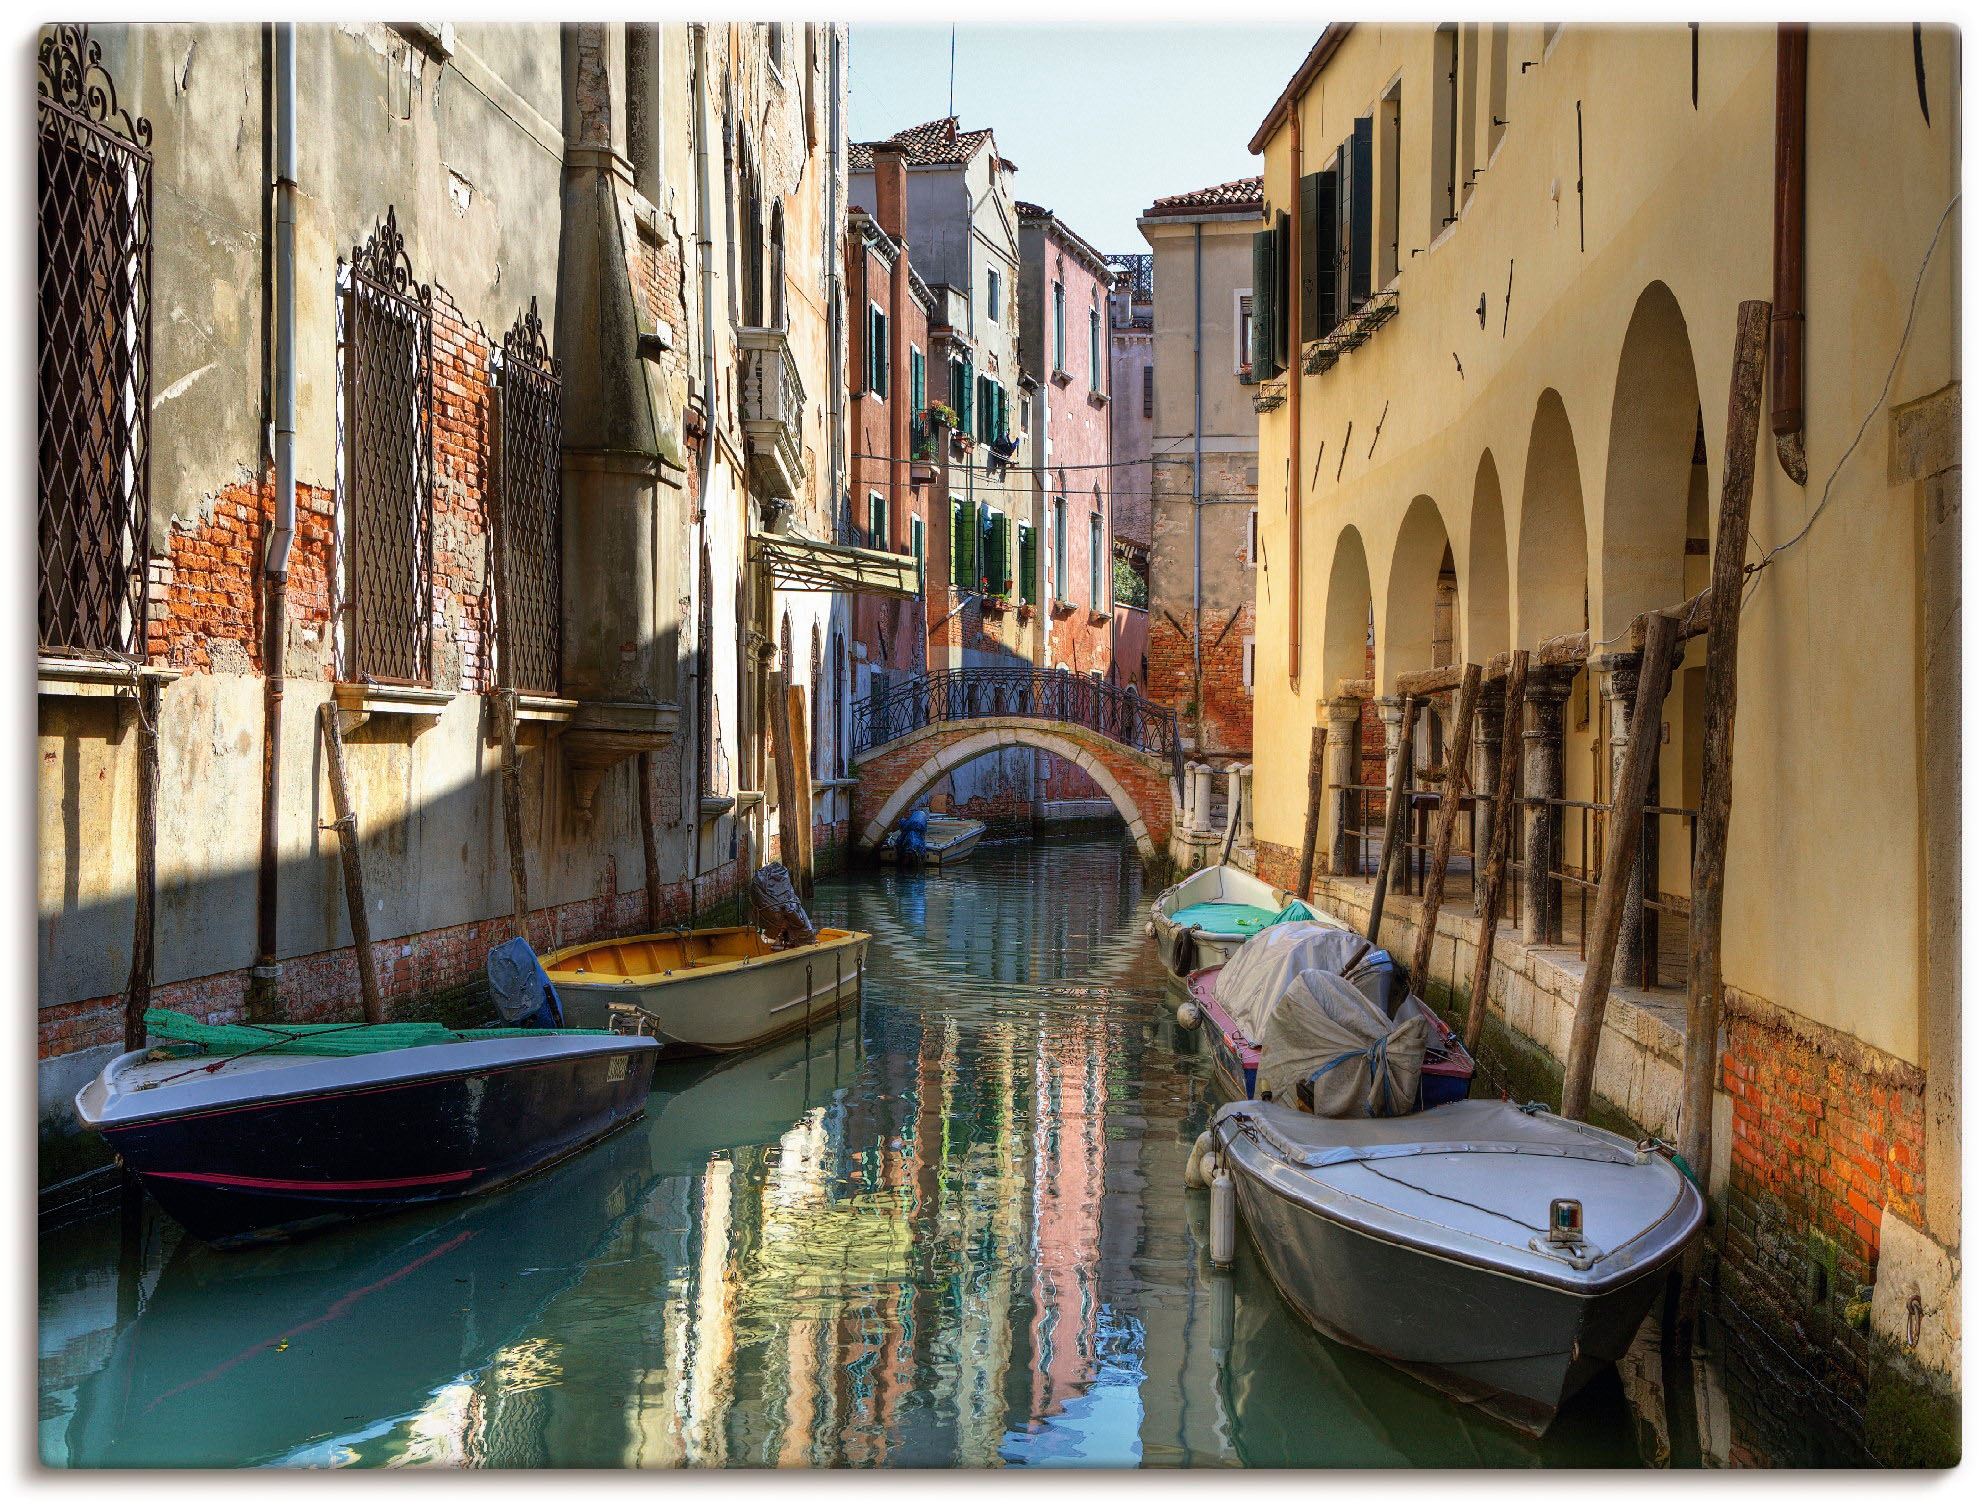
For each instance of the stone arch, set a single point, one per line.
(1554, 555)
(1483, 585)
(950, 755)
(1648, 475)
(1410, 636)
(1345, 627)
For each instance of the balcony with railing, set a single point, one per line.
(773, 411)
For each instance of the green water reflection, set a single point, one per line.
(948, 1231)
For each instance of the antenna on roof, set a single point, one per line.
(953, 70)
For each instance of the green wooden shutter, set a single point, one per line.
(962, 575)
(918, 382)
(1311, 257)
(1283, 275)
(1264, 311)
(964, 381)
(1028, 565)
(1362, 232)
(998, 567)
(1324, 230)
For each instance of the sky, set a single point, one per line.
(1097, 118)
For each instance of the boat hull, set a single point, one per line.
(276, 1168)
(951, 846)
(737, 1007)
(1183, 951)
(1516, 1346)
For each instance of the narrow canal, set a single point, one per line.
(950, 1230)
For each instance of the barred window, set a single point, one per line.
(388, 463)
(93, 170)
(528, 534)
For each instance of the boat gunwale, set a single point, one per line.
(1565, 1280)
(579, 1049)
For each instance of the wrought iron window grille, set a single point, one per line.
(94, 228)
(528, 532)
(387, 465)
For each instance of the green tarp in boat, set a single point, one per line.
(324, 1039)
(1238, 918)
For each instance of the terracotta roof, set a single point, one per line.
(1031, 211)
(1222, 198)
(935, 142)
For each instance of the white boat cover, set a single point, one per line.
(1361, 1065)
(1260, 971)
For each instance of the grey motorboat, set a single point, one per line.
(1501, 1253)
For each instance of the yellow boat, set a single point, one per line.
(710, 989)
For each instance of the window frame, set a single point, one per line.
(1242, 330)
(877, 350)
(880, 535)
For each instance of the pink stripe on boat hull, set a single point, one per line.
(259, 1183)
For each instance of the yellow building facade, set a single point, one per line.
(1502, 422)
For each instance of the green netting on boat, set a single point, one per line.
(325, 1039)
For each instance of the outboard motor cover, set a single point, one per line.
(523, 994)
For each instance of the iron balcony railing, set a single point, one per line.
(1114, 711)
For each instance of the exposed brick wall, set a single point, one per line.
(1223, 724)
(462, 577)
(1828, 1132)
(413, 970)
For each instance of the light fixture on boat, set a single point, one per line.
(1565, 1222)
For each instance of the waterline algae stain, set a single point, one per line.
(947, 1230)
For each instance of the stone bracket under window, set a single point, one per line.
(358, 703)
(602, 734)
(95, 679)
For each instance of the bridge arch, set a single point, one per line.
(896, 774)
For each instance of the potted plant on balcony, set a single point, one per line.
(1027, 610)
(940, 415)
(997, 604)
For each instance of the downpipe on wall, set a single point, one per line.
(705, 255)
(282, 536)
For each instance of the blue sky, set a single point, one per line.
(1101, 120)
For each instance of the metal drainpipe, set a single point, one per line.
(705, 252)
(1291, 276)
(1197, 478)
(1786, 381)
(282, 535)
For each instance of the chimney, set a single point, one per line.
(891, 189)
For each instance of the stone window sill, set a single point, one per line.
(358, 703)
(91, 678)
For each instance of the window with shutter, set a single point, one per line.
(1060, 549)
(960, 383)
(1028, 565)
(963, 540)
(1149, 391)
(1361, 230)
(1095, 560)
(1242, 330)
(877, 351)
(877, 521)
(917, 546)
(1059, 327)
(918, 380)
(1283, 275)
(998, 556)
(1313, 266)
(1264, 249)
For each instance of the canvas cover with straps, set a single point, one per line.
(1261, 970)
(1325, 1035)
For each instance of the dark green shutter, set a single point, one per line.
(1263, 305)
(1284, 273)
(1028, 564)
(1352, 284)
(1311, 257)
(998, 567)
(961, 574)
(1325, 232)
(962, 372)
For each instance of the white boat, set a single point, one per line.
(1200, 921)
(1501, 1253)
(948, 841)
(710, 989)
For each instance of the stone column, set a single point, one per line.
(1548, 691)
(1245, 837)
(1344, 758)
(1201, 821)
(1620, 693)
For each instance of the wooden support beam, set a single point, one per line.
(1723, 625)
(801, 748)
(512, 812)
(346, 825)
(1499, 837)
(1448, 818)
(1317, 779)
(1626, 827)
(137, 990)
(1395, 814)
(1430, 681)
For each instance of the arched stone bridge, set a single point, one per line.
(910, 739)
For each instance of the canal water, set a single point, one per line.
(948, 1230)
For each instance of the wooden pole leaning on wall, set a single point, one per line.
(1459, 743)
(649, 846)
(1703, 976)
(789, 850)
(137, 991)
(1395, 814)
(512, 813)
(801, 744)
(346, 826)
(1626, 829)
(1500, 836)
(1317, 778)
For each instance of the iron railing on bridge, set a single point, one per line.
(1115, 711)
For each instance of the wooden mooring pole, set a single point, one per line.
(1703, 977)
(1500, 836)
(1627, 825)
(1317, 779)
(790, 847)
(1395, 816)
(649, 846)
(346, 826)
(1459, 745)
(512, 813)
(801, 754)
(137, 991)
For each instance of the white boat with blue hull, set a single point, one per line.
(1501, 1253)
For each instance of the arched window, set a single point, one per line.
(778, 265)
